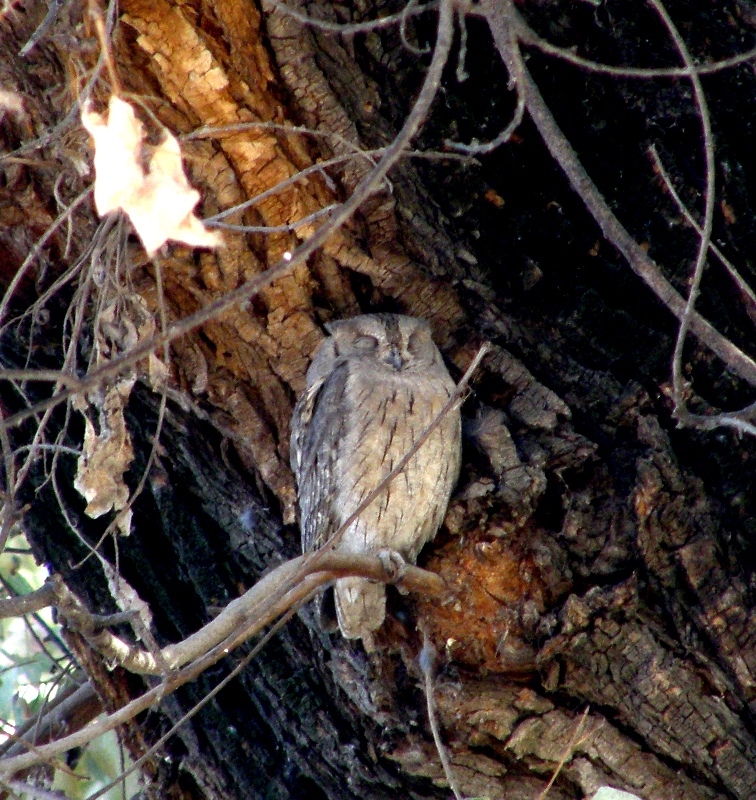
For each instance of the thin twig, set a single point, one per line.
(77, 702)
(106, 47)
(51, 635)
(679, 385)
(217, 131)
(531, 38)
(288, 228)
(730, 419)
(43, 376)
(28, 790)
(427, 665)
(354, 27)
(488, 147)
(567, 754)
(197, 707)
(42, 29)
(37, 249)
(68, 705)
(738, 279)
(406, 13)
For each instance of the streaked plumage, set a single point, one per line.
(374, 385)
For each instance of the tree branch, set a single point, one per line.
(504, 22)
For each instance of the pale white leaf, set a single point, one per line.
(608, 793)
(159, 201)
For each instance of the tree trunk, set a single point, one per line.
(600, 560)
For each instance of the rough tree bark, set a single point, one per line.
(598, 557)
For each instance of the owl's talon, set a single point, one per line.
(393, 565)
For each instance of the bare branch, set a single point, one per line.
(529, 37)
(250, 613)
(240, 620)
(501, 20)
(703, 110)
(28, 603)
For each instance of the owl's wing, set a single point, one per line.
(317, 436)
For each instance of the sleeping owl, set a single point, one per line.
(373, 386)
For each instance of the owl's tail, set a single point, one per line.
(360, 607)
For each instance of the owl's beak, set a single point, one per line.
(394, 358)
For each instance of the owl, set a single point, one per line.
(373, 386)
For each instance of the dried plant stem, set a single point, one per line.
(567, 754)
(427, 659)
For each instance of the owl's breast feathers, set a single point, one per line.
(384, 415)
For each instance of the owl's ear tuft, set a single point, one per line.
(419, 339)
(332, 327)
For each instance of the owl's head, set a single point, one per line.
(390, 342)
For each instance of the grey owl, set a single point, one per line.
(373, 386)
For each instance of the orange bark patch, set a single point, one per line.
(479, 623)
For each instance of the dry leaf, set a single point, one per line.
(159, 202)
(107, 452)
(106, 455)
